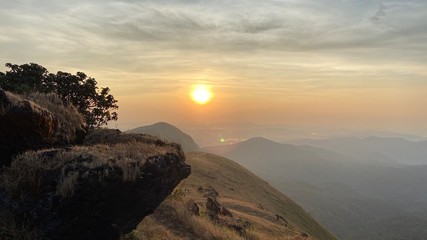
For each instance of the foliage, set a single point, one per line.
(95, 104)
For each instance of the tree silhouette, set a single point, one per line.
(95, 104)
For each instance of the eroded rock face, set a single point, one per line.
(107, 209)
(25, 125)
(97, 191)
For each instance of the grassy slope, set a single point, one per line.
(247, 196)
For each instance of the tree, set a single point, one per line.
(95, 104)
(24, 78)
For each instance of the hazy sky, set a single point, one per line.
(345, 63)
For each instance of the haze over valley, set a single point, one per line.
(359, 188)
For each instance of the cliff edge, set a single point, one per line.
(100, 189)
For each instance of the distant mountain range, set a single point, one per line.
(170, 133)
(392, 150)
(354, 199)
(210, 134)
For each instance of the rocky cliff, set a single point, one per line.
(97, 190)
(91, 192)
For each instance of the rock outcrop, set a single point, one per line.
(100, 190)
(41, 122)
(221, 215)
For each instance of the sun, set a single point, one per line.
(201, 94)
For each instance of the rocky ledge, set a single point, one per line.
(92, 192)
(100, 189)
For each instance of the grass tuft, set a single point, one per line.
(26, 171)
(65, 118)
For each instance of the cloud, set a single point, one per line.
(381, 13)
(217, 25)
(213, 26)
(252, 40)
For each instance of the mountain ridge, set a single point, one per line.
(251, 200)
(168, 132)
(349, 196)
(394, 150)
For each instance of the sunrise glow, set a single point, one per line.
(201, 94)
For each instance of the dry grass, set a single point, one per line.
(49, 101)
(173, 221)
(114, 136)
(201, 226)
(67, 184)
(25, 172)
(18, 101)
(151, 229)
(179, 223)
(67, 118)
(65, 113)
(249, 199)
(239, 187)
(15, 101)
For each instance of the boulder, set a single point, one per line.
(96, 191)
(221, 215)
(192, 207)
(28, 125)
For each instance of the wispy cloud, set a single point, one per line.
(381, 13)
(149, 37)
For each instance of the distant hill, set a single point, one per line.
(170, 133)
(210, 134)
(258, 210)
(353, 199)
(397, 150)
(273, 159)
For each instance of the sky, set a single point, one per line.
(335, 63)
